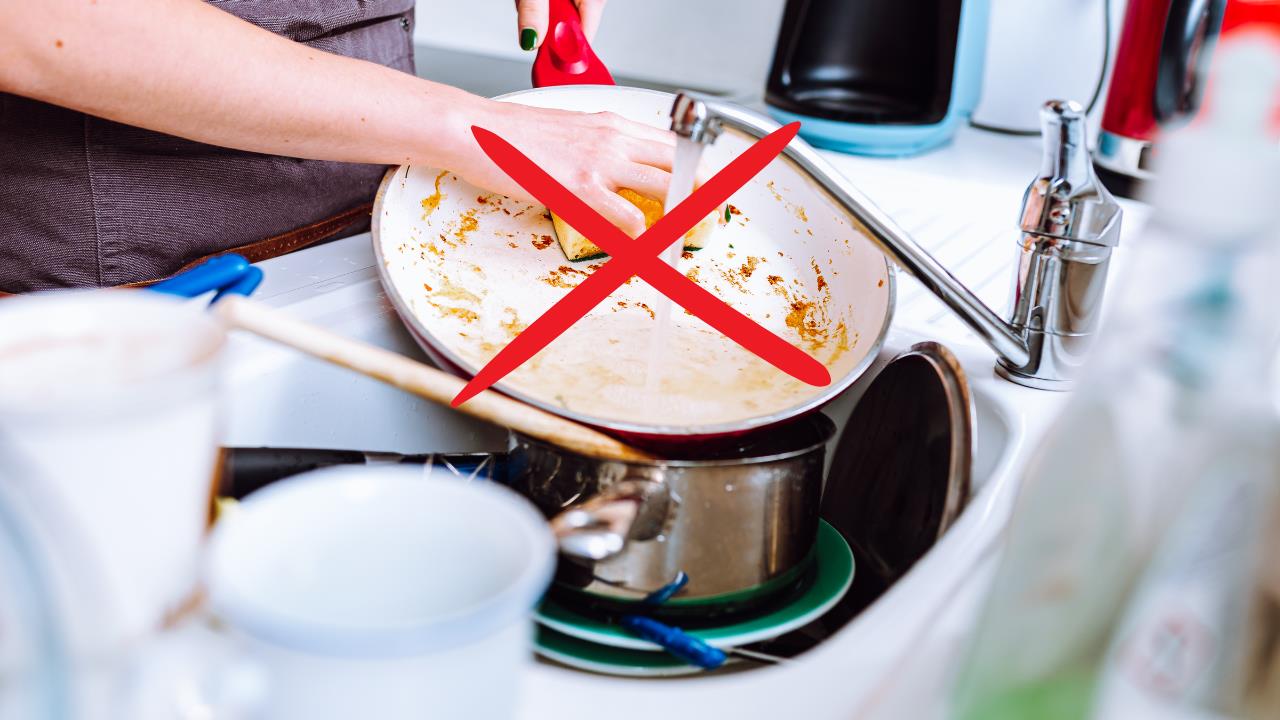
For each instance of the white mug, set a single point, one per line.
(108, 440)
(381, 592)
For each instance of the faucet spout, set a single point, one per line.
(1028, 352)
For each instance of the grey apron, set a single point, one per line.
(89, 202)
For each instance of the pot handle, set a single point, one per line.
(600, 527)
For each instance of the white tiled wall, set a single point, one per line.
(1038, 48)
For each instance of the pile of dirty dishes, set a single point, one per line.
(388, 592)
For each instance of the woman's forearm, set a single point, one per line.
(185, 68)
(223, 81)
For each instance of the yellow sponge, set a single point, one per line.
(576, 247)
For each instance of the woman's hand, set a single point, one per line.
(592, 154)
(532, 20)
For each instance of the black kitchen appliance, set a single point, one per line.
(878, 77)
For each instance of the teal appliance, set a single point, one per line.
(878, 77)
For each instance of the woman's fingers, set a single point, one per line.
(531, 18)
(644, 179)
(617, 210)
(642, 131)
(647, 152)
(591, 12)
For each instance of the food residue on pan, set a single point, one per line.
(822, 281)
(511, 322)
(692, 274)
(810, 318)
(797, 210)
(686, 255)
(564, 277)
(842, 344)
(623, 305)
(466, 224)
(739, 276)
(731, 276)
(432, 201)
(466, 314)
(451, 291)
(542, 242)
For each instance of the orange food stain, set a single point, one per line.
(512, 325)
(563, 277)
(467, 224)
(432, 201)
(822, 281)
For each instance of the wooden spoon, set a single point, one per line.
(421, 380)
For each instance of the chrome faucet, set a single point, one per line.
(1069, 224)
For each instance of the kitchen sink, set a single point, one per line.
(282, 399)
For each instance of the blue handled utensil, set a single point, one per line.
(679, 643)
(675, 641)
(224, 275)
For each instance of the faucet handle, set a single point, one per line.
(1066, 200)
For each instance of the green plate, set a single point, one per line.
(832, 578)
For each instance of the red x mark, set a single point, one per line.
(640, 257)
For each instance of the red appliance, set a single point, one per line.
(1158, 79)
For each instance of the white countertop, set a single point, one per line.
(960, 202)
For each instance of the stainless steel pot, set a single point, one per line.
(741, 524)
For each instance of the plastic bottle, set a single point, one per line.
(1180, 375)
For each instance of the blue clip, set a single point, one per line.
(664, 593)
(672, 639)
(676, 641)
(225, 274)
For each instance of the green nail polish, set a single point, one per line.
(528, 38)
